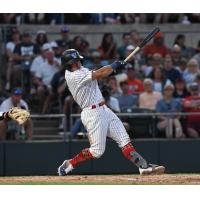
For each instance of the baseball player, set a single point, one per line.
(97, 118)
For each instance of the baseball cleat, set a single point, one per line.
(65, 168)
(152, 169)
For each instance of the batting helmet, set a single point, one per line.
(69, 57)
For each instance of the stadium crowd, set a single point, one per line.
(98, 18)
(159, 78)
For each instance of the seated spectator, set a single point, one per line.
(108, 47)
(41, 38)
(159, 79)
(157, 46)
(135, 85)
(191, 71)
(57, 51)
(34, 18)
(126, 100)
(10, 46)
(170, 72)
(191, 105)
(24, 53)
(149, 98)
(11, 129)
(176, 55)
(129, 49)
(152, 63)
(180, 91)
(126, 40)
(182, 65)
(64, 42)
(197, 53)
(135, 37)
(197, 80)
(43, 79)
(185, 51)
(110, 101)
(112, 84)
(168, 104)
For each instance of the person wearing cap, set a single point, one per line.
(24, 53)
(149, 98)
(64, 42)
(191, 104)
(157, 46)
(9, 126)
(9, 49)
(168, 104)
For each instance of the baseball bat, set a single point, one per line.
(143, 43)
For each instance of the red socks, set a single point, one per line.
(127, 149)
(82, 156)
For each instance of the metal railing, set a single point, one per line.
(153, 115)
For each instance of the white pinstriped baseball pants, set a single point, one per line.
(100, 123)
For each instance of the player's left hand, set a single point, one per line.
(19, 115)
(118, 63)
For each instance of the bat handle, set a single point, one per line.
(132, 54)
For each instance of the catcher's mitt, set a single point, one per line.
(19, 115)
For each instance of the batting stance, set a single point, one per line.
(97, 118)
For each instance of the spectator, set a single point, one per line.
(112, 84)
(128, 51)
(96, 61)
(149, 98)
(43, 79)
(191, 105)
(108, 47)
(10, 46)
(41, 38)
(157, 46)
(182, 65)
(152, 63)
(135, 85)
(35, 18)
(135, 37)
(11, 128)
(24, 53)
(159, 79)
(169, 105)
(126, 40)
(110, 101)
(64, 42)
(57, 51)
(126, 100)
(176, 55)
(170, 72)
(197, 80)
(109, 18)
(180, 91)
(197, 54)
(180, 41)
(191, 71)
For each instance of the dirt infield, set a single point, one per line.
(105, 179)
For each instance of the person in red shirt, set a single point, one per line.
(191, 104)
(157, 46)
(135, 85)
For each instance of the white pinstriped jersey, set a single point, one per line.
(99, 122)
(84, 90)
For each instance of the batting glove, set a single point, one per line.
(118, 63)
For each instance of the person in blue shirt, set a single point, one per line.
(168, 104)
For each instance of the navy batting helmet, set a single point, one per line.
(69, 57)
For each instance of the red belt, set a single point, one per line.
(100, 104)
